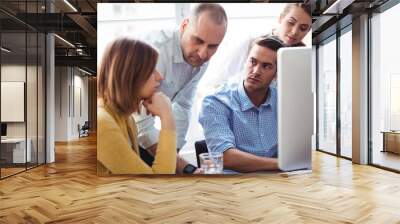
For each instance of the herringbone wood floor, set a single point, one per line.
(69, 191)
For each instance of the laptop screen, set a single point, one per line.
(3, 129)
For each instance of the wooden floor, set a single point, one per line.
(10, 171)
(69, 191)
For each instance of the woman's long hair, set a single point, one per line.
(125, 67)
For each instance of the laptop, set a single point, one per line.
(295, 108)
(3, 131)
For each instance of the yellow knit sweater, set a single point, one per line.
(116, 156)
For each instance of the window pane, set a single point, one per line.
(385, 89)
(327, 97)
(346, 94)
(13, 83)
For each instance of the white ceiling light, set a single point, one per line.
(5, 50)
(70, 5)
(86, 72)
(65, 41)
(338, 6)
(80, 51)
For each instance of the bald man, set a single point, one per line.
(183, 58)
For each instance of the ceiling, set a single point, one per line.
(331, 15)
(74, 22)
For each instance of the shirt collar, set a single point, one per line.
(178, 56)
(270, 98)
(245, 102)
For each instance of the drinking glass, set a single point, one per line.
(212, 163)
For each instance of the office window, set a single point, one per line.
(346, 93)
(385, 89)
(327, 96)
(13, 82)
(23, 81)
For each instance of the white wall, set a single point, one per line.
(70, 83)
(61, 103)
(16, 73)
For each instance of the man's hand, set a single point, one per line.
(248, 162)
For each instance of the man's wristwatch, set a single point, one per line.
(189, 169)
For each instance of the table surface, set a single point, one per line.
(391, 132)
(13, 140)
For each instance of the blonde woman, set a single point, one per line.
(127, 77)
(293, 25)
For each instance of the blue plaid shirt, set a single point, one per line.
(230, 120)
